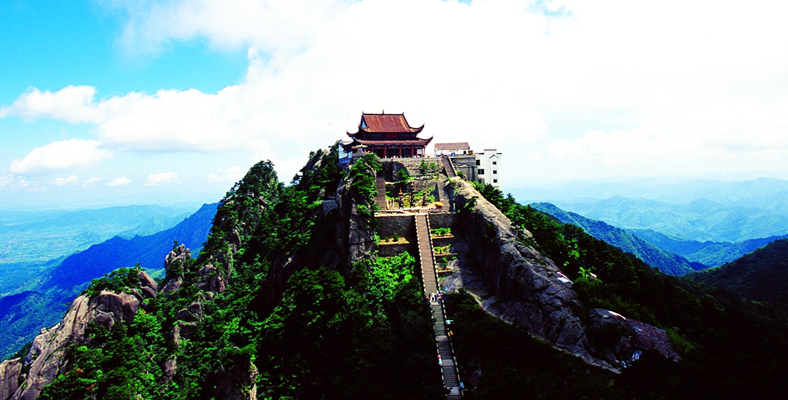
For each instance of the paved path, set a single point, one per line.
(430, 284)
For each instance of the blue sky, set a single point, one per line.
(119, 101)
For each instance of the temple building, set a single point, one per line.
(387, 135)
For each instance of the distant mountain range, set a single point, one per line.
(761, 275)
(148, 251)
(23, 314)
(709, 253)
(701, 220)
(40, 236)
(762, 193)
(665, 261)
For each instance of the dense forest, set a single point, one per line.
(294, 320)
(362, 334)
(761, 275)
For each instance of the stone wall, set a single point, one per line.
(391, 166)
(405, 225)
(389, 250)
(400, 225)
(443, 219)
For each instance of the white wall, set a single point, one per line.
(488, 165)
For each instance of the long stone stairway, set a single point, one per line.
(430, 283)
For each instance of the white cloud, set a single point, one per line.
(90, 181)
(614, 86)
(165, 178)
(6, 180)
(72, 104)
(231, 174)
(120, 181)
(71, 180)
(60, 155)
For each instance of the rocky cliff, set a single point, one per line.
(48, 356)
(529, 290)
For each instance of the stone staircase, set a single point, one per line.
(447, 164)
(430, 284)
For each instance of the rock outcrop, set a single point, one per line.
(238, 383)
(49, 352)
(528, 289)
(9, 377)
(174, 263)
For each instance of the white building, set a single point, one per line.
(488, 167)
(482, 166)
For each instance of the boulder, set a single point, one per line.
(610, 335)
(147, 285)
(172, 284)
(180, 253)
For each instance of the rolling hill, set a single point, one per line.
(709, 253)
(761, 275)
(665, 261)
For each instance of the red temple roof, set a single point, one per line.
(386, 123)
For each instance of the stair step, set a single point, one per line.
(430, 284)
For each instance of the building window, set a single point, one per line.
(481, 171)
(495, 181)
(495, 172)
(478, 162)
(495, 162)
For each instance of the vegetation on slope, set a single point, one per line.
(708, 253)
(761, 275)
(24, 314)
(299, 327)
(318, 334)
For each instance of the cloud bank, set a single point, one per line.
(64, 154)
(612, 87)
